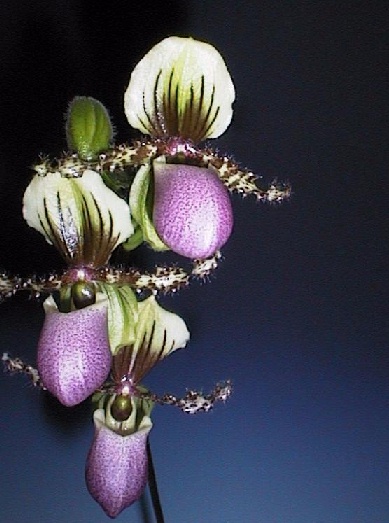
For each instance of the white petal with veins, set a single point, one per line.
(180, 88)
(161, 327)
(80, 216)
(158, 334)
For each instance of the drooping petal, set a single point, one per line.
(180, 88)
(158, 333)
(192, 209)
(74, 358)
(116, 468)
(81, 217)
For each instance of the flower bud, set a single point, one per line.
(88, 127)
(192, 209)
(74, 357)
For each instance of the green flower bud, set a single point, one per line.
(88, 127)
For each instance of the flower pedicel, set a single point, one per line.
(104, 329)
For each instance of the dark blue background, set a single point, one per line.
(297, 313)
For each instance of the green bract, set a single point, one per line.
(88, 127)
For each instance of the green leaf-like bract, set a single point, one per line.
(88, 127)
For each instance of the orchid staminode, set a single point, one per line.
(104, 329)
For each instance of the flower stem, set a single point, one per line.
(154, 488)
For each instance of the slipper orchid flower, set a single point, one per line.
(181, 93)
(116, 468)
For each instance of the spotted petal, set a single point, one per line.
(180, 88)
(116, 468)
(81, 217)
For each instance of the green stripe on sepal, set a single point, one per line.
(134, 241)
(88, 127)
(122, 315)
(141, 202)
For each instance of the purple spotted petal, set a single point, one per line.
(74, 357)
(116, 468)
(192, 209)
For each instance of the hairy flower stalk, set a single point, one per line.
(104, 329)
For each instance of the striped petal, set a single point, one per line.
(180, 88)
(81, 217)
(122, 315)
(139, 201)
(158, 333)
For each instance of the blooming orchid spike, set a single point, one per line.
(74, 358)
(180, 88)
(81, 217)
(116, 468)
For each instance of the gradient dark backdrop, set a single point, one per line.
(297, 313)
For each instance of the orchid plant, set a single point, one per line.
(104, 329)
